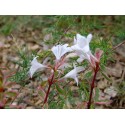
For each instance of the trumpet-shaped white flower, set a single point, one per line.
(73, 73)
(82, 43)
(60, 50)
(82, 48)
(35, 66)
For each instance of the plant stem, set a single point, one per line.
(47, 94)
(92, 86)
(50, 84)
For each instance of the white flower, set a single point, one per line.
(73, 73)
(81, 47)
(60, 50)
(35, 66)
(82, 43)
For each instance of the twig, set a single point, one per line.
(92, 86)
(48, 91)
(118, 45)
(63, 34)
(45, 100)
(16, 96)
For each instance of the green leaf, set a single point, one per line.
(45, 53)
(88, 75)
(96, 94)
(60, 90)
(105, 76)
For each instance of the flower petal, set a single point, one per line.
(79, 69)
(60, 50)
(81, 40)
(35, 66)
(79, 60)
(73, 73)
(89, 38)
(76, 79)
(81, 47)
(55, 51)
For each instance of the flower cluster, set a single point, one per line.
(80, 48)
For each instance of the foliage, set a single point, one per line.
(24, 64)
(62, 30)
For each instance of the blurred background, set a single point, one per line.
(37, 32)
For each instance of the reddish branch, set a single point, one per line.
(50, 84)
(92, 85)
(47, 94)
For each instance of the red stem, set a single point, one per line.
(92, 86)
(47, 94)
(50, 84)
